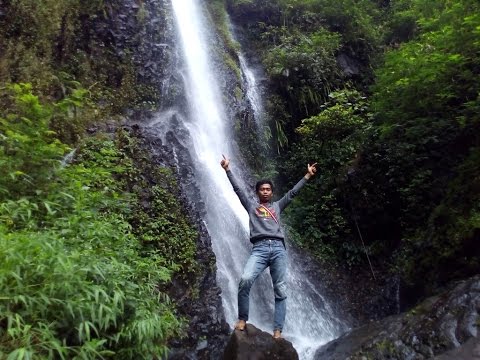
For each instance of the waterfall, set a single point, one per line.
(67, 159)
(252, 90)
(310, 320)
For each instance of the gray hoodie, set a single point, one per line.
(262, 224)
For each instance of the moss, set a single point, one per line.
(238, 93)
(384, 348)
(142, 13)
(232, 65)
(220, 19)
(158, 218)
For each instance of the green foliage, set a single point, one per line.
(336, 120)
(431, 76)
(304, 67)
(401, 22)
(31, 31)
(61, 302)
(332, 139)
(277, 118)
(165, 228)
(29, 150)
(82, 259)
(424, 94)
(299, 42)
(51, 45)
(410, 180)
(234, 67)
(161, 227)
(452, 233)
(353, 19)
(75, 281)
(78, 279)
(402, 169)
(220, 19)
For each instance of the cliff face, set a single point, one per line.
(197, 296)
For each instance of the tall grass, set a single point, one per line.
(75, 282)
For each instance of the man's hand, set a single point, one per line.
(225, 162)
(311, 170)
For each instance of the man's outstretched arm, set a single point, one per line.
(240, 193)
(287, 198)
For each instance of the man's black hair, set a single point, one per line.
(263, 182)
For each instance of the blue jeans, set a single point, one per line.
(265, 253)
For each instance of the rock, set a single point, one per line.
(202, 345)
(441, 327)
(470, 350)
(254, 344)
(207, 332)
(348, 65)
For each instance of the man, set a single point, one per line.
(268, 250)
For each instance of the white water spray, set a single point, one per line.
(310, 321)
(252, 90)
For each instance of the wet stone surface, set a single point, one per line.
(207, 331)
(444, 327)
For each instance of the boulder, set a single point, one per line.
(444, 327)
(255, 344)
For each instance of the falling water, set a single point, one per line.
(252, 90)
(310, 321)
(67, 159)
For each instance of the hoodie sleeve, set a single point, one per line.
(240, 193)
(288, 197)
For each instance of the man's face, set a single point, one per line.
(265, 193)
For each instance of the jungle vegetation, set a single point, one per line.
(84, 266)
(385, 96)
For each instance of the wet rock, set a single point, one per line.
(470, 350)
(131, 32)
(142, 35)
(349, 65)
(207, 331)
(202, 345)
(254, 344)
(443, 326)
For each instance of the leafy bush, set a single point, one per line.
(404, 159)
(29, 150)
(79, 278)
(423, 98)
(61, 302)
(304, 68)
(53, 46)
(332, 138)
(411, 172)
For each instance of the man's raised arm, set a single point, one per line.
(240, 193)
(287, 198)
